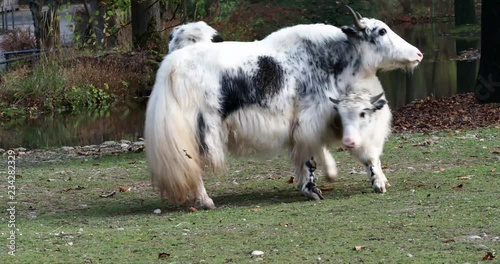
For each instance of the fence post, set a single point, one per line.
(12, 11)
(3, 19)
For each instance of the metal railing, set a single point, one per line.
(4, 17)
(33, 53)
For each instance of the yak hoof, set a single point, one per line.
(314, 194)
(380, 186)
(207, 204)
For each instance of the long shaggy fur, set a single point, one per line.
(191, 33)
(263, 95)
(172, 149)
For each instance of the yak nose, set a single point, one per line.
(420, 56)
(349, 142)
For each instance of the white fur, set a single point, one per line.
(189, 34)
(297, 117)
(368, 133)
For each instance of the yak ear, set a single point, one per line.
(216, 38)
(335, 101)
(378, 102)
(349, 30)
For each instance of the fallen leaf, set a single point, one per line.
(359, 248)
(286, 224)
(464, 178)
(448, 240)
(494, 169)
(326, 189)
(294, 251)
(192, 209)
(254, 210)
(132, 162)
(458, 187)
(385, 167)
(163, 255)
(442, 169)
(57, 249)
(489, 256)
(108, 195)
(124, 189)
(291, 180)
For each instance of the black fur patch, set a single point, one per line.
(242, 88)
(202, 127)
(325, 59)
(217, 38)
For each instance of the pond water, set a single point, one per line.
(437, 75)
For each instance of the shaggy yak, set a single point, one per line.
(280, 92)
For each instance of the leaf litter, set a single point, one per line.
(456, 112)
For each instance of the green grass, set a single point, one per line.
(263, 212)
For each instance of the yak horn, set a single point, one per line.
(359, 15)
(357, 23)
(376, 97)
(335, 101)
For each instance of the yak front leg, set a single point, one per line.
(377, 177)
(329, 164)
(370, 157)
(307, 180)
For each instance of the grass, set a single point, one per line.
(57, 222)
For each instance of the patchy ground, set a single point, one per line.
(457, 112)
(442, 205)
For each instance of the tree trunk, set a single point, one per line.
(487, 88)
(465, 12)
(46, 23)
(51, 26)
(36, 13)
(145, 24)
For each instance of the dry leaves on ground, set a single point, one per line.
(456, 112)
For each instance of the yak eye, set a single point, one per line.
(382, 32)
(362, 115)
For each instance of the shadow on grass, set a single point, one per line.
(110, 207)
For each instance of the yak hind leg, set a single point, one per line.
(203, 199)
(307, 180)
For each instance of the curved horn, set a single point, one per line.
(375, 98)
(356, 19)
(335, 101)
(359, 15)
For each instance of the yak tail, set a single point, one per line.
(172, 149)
